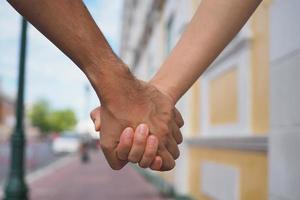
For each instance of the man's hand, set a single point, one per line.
(148, 106)
(128, 102)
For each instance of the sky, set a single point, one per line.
(50, 74)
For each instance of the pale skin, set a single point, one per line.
(213, 26)
(70, 27)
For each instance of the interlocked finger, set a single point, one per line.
(139, 143)
(125, 144)
(178, 118)
(95, 117)
(177, 134)
(168, 162)
(157, 163)
(172, 147)
(150, 152)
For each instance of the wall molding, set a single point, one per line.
(253, 143)
(239, 60)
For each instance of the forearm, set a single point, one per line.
(213, 26)
(68, 24)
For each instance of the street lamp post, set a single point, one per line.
(16, 188)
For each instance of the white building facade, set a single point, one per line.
(242, 118)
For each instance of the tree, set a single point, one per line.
(38, 115)
(48, 120)
(62, 120)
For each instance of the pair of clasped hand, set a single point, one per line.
(153, 143)
(138, 121)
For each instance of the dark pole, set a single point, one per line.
(16, 188)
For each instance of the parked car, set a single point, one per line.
(66, 143)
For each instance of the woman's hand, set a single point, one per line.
(138, 144)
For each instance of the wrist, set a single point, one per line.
(114, 84)
(165, 87)
(130, 96)
(97, 69)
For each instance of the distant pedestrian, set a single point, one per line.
(84, 152)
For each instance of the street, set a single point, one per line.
(51, 177)
(38, 154)
(92, 181)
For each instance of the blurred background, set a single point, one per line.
(241, 133)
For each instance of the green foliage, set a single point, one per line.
(48, 120)
(38, 115)
(62, 120)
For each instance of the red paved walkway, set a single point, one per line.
(93, 181)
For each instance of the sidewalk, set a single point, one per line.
(93, 181)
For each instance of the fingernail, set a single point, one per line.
(128, 133)
(142, 129)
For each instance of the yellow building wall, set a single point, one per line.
(260, 69)
(195, 99)
(223, 97)
(194, 109)
(252, 166)
(259, 76)
(195, 4)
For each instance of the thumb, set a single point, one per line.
(95, 117)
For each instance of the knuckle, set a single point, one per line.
(168, 166)
(143, 164)
(180, 140)
(181, 123)
(121, 155)
(177, 154)
(178, 118)
(149, 155)
(171, 165)
(133, 158)
(92, 115)
(95, 113)
(140, 142)
(116, 167)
